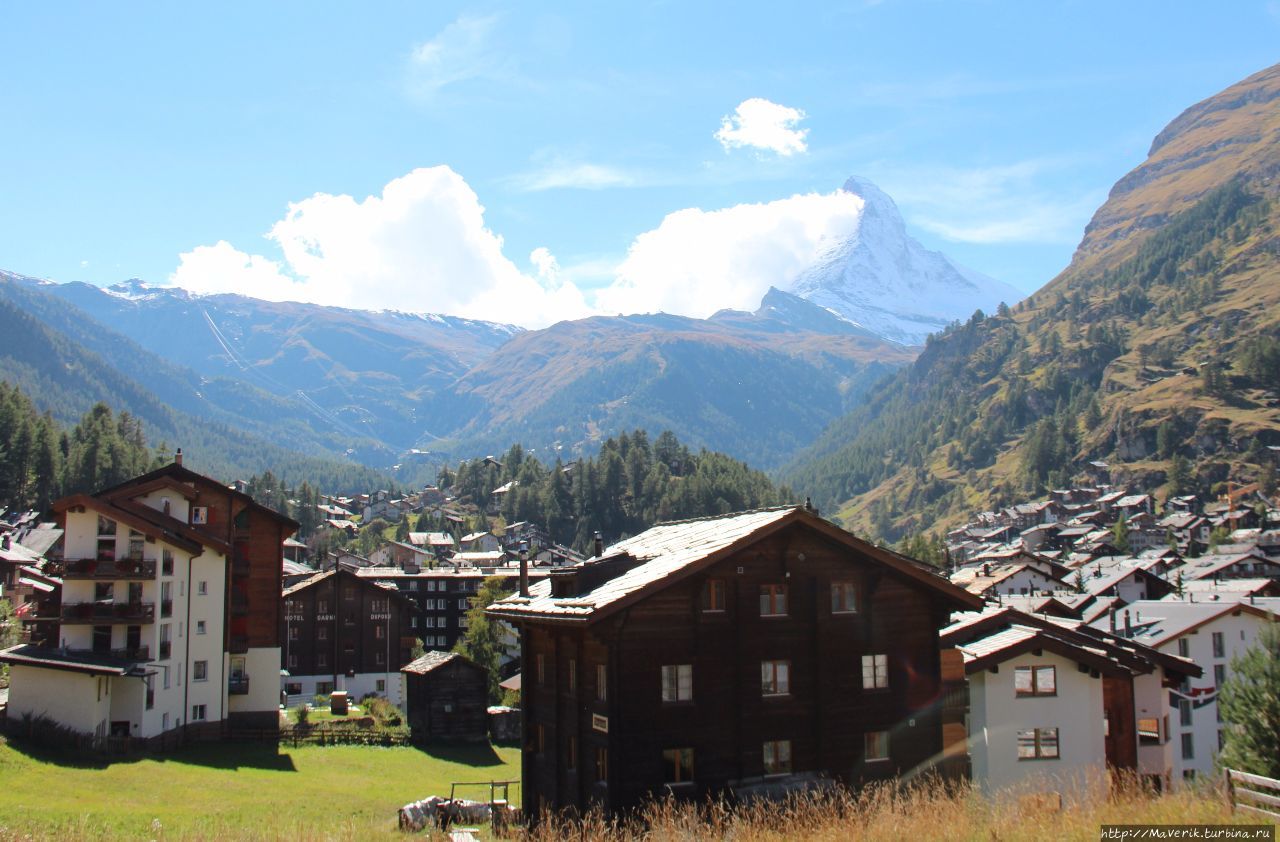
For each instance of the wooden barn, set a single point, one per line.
(447, 698)
(743, 652)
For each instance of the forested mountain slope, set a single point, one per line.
(1156, 350)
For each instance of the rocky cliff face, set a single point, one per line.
(884, 280)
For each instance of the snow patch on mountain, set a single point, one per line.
(881, 278)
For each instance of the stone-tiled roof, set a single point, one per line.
(667, 552)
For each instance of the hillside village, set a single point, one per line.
(1092, 630)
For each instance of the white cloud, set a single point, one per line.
(761, 124)
(546, 264)
(697, 262)
(460, 51)
(421, 246)
(1007, 203)
(581, 176)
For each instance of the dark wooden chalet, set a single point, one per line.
(729, 653)
(447, 698)
(339, 627)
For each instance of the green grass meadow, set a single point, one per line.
(235, 791)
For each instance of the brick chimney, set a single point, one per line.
(177, 457)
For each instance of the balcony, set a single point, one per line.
(238, 685)
(122, 568)
(239, 602)
(240, 564)
(133, 653)
(107, 613)
(239, 644)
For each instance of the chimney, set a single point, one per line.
(1128, 627)
(1113, 619)
(524, 568)
(599, 545)
(4, 542)
(986, 570)
(177, 457)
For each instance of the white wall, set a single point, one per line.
(1239, 634)
(997, 714)
(262, 666)
(76, 700)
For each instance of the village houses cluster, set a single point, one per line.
(756, 652)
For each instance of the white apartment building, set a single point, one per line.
(151, 606)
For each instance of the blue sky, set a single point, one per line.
(532, 161)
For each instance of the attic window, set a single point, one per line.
(1035, 681)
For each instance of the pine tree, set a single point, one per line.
(483, 642)
(1250, 703)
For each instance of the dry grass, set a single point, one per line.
(921, 812)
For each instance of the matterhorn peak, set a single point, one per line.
(885, 280)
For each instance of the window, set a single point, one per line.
(875, 745)
(540, 665)
(464, 603)
(602, 764)
(463, 622)
(1219, 674)
(677, 683)
(200, 627)
(293, 663)
(773, 600)
(413, 622)
(843, 598)
(322, 605)
(104, 591)
(198, 713)
(875, 672)
(431, 584)
(200, 671)
(677, 765)
(413, 584)
(166, 599)
(379, 633)
(1219, 649)
(324, 688)
(1035, 681)
(573, 676)
(322, 632)
(380, 685)
(1188, 747)
(294, 632)
(166, 563)
(775, 678)
(1184, 712)
(1184, 647)
(777, 757)
(571, 754)
(1038, 744)
(713, 595)
(1149, 731)
(202, 588)
(602, 683)
(165, 643)
(349, 592)
(322, 661)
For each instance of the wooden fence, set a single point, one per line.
(320, 736)
(1253, 793)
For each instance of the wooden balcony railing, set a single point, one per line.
(238, 685)
(134, 653)
(121, 568)
(106, 613)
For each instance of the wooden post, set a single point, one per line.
(1230, 791)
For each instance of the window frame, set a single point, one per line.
(878, 740)
(879, 664)
(844, 597)
(773, 597)
(1035, 681)
(1042, 741)
(678, 679)
(679, 759)
(772, 757)
(775, 678)
(199, 670)
(713, 596)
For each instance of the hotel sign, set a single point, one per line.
(599, 723)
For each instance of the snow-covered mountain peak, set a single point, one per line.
(883, 279)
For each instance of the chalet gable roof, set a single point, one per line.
(667, 553)
(146, 520)
(436, 659)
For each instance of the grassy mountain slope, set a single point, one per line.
(1150, 348)
(744, 384)
(66, 378)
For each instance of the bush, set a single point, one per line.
(320, 701)
(302, 715)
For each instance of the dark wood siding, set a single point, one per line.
(825, 716)
(448, 703)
